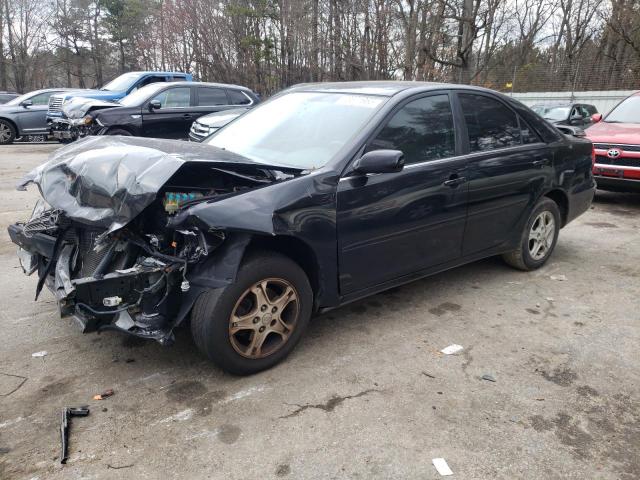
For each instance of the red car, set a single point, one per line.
(616, 140)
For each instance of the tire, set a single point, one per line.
(526, 257)
(7, 132)
(119, 131)
(211, 318)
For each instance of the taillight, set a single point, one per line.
(593, 156)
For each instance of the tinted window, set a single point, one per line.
(590, 109)
(422, 130)
(238, 98)
(208, 97)
(174, 97)
(490, 124)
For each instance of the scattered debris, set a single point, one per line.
(550, 299)
(103, 395)
(43, 353)
(65, 419)
(488, 377)
(10, 383)
(442, 467)
(451, 349)
(130, 360)
(539, 399)
(428, 375)
(558, 278)
(118, 467)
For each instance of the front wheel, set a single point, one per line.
(538, 238)
(254, 323)
(7, 133)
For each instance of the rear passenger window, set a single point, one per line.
(238, 98)
(422, 130)
(490, 124)
(209, 97)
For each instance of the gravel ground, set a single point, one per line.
(366, 394)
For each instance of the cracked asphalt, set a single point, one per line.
(366, 395)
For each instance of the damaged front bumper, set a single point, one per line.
(64, 129)
(134, 300)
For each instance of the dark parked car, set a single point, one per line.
(205, 126)
(160, 110)
(574, 114)
(320, 196)
(6, 96)
(25, 115)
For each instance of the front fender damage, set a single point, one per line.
(129, 249)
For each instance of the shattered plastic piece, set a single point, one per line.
(559, 278)
(488, 377)
(442, 467)
(43, 353)
(65, 419)
(451, 349)
(184, 286)
(103, 395)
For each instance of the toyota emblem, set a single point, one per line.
(613, 153)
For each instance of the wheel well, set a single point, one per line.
(13, 124)
(118, 127)
(296, 250)
(561, 200)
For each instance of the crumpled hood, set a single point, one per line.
(79, 106)
(108, 181)
(98, 94)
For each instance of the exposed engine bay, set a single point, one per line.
(106, 240)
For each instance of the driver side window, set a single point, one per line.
(422, 130)
(174, 97)
(42, 98)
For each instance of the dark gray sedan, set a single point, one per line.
(26, 115)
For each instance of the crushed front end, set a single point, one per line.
(105, 240)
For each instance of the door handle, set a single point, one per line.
(186, 116)
(454, 180)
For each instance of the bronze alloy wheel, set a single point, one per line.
(264, 318)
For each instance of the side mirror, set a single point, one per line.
(380, 161)
(26, 103)
(596, 117)
(154, 105)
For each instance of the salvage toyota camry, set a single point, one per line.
(323, 195)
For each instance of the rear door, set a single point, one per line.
(508, 164)
(209, 100)
(173, 118)
(395, 224)
(33, 119)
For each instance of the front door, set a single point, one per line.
(174, 117)
(395, 224)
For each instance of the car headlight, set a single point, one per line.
(212, 129)
(87, 120)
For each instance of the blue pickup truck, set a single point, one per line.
(113, 91)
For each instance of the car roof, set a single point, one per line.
(148, 72)
(203, 84)
(386, 88)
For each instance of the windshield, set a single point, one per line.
(556, 113)
(138, 97)
(121, 83)
(626, 112)
(300, 129)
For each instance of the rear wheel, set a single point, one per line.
(7, 132)
(538, 238)
(255, 322)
